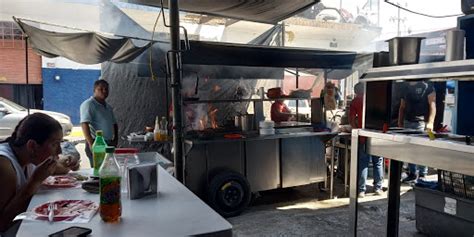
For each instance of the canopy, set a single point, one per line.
(85, 48)
(93, 48)
(264, 11)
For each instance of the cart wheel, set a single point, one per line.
(229, 193)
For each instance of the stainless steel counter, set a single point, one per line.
(255, 137)
(446, 153)
(268, 162)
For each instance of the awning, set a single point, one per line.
(214, 53)
(84, 47)
(93, 48)
(264, 11)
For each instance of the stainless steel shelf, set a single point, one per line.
(439, 153)
(452, 70)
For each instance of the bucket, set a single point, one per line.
(404, 50)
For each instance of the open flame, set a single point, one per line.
(216, 88)
(213, 116)
(209, 119)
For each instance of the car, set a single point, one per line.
(303, 107)
(11, 113)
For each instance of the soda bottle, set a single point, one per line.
(98, 151)
(164, 129)
(156, 132)
(109, 186)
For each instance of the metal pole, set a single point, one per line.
(297, 101)
(175, 66)
(393, 198)
(27, 79)
(354, 180)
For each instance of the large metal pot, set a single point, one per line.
(454, 45)
(247, 122)
(404, 50)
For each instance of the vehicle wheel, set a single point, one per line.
(229, 193)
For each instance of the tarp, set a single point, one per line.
(93, 48)
(85, 48)
(264, 11)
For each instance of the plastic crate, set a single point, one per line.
(458, 184)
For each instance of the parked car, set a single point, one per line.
(303, 107)
(11, 113)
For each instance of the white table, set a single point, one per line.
(175, 212)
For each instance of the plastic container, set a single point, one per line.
(457, 184)
(267, 131)
(266, 124)
(126, 157)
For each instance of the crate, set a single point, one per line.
(458, 184)
(442, 214)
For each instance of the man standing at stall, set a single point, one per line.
(417, 111)
(355, 118)
(280, 112)
(96, 114)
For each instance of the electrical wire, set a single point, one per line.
(151, 48)
(422, 14)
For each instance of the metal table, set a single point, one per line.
(175, 212)
(442, 154)
(346, 146)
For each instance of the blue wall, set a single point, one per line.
(66, 94)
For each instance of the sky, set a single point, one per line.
(409, 22)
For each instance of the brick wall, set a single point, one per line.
(12, 64)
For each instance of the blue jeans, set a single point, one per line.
(364, 160)
(422, 170)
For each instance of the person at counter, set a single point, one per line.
(417, 111)
(280, 112)
(28, 157)
(97, 114)
(355, 119)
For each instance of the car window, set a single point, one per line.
(301, 103)
(12, 104)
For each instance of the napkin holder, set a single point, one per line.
(142, 180)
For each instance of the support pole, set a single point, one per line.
(175, 66)
(393, 211)
(353, 187)
(28, 91)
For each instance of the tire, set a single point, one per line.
(229, 193)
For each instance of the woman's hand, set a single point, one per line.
(44, 170)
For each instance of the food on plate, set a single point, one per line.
(79, 177)
(66, 209)
(60, 181)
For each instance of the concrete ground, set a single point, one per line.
(306, 211)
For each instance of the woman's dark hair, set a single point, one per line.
(38, 127)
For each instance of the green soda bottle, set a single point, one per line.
(110, 206)
(98, 151)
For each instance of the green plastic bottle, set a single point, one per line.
(109, 185)
(98, 151)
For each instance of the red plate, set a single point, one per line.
(60, 182)
(66, 209)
